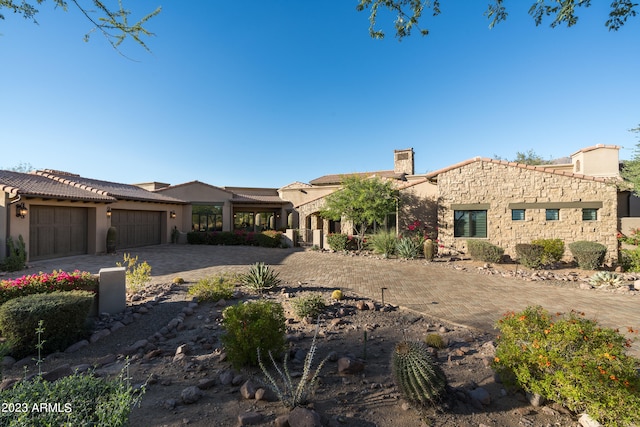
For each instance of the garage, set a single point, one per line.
(136, 228)
(57, 231)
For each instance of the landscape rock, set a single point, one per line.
(249, 418)
(303, 417)
(248, 390)
(77, 346)
(349, 366)
(191, 395)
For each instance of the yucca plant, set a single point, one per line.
(260, 278)
(418, 378)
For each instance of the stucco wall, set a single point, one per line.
(500, 186)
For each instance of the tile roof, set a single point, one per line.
(337, 178)
(113, 189)
(29, 184)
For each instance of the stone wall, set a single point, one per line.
(499, 186)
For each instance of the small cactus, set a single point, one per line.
(435, 341)
(178, 280)
(337, 295)
(418, 378)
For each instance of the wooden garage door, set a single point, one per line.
(57, 231)
(136, 228)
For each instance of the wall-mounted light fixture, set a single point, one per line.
(172, 214)
(21, 210)
(108, 211)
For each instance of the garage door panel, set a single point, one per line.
(57, 231)
(136, 228)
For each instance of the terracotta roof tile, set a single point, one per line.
(337, 178)
(29, 184)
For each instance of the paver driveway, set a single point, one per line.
(464, 298)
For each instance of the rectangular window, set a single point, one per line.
(553, 214)
(470, 223)
(206, 218)
(517, 214)
(589, 214)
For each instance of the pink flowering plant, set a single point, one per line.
(46, 283)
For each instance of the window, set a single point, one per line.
(206, 218)
(553, 214)
(517, 214)
(589, 214)
(243, 221)
(470, 223)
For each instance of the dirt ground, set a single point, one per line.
(367, 398)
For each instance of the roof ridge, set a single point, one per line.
(47, 174)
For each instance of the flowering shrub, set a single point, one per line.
(633, 238)
(46, 283)
(337, 241)
(572, 361)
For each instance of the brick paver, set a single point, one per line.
(464, 298)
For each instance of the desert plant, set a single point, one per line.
(178, 280)
(260, 278)
(40, 283)
(310, 305)
(137, 274)
(588, 255)
(251, 326)
(337, 295)
(16, 255)
(606, 279)
(337, 241)
(384, 243)
(435, 341)
(214, 288)
(418, 378)
(409, 248)
(572, 361)
(289, 394)
(553, 249)
(529, 255)
(482, 250)
(112, 234)
(175, 234)
(630, 259)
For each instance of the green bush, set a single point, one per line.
(16, 255)
(82, 400)
(588, 255)
(267, 238)
(529, 255)
(310, 305)
(553, 249)
(214, 288)
(64, 314)
(260, 278)
(630, 259)
(384, 243)
(337, 241)
(409, 248)
(137, 274)
(481, 250)
(251, 326)
(572, 361)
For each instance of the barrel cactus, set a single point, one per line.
(418, 378)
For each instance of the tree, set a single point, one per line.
(410, 12)
(21, 167)
(112, 24)
(528, 158)
(631, 168)
(361, 201)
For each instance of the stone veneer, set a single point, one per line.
(501, 186)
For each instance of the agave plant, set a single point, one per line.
(260, 278)
(606, 279)
(409, 248)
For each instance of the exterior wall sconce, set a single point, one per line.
(172, 214)
(108, 211)
(21, 210)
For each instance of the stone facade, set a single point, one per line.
(499, 186)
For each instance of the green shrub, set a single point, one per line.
(46, 283)
(337, 242)
(572, 361)
(251, 326)
(418, 378)
(384, 243)
(260, 278)
(588, 255)
(529, 255)
(267, 238)
(630, 259)
(481, 250)
(16, 255)
(310, 305)
(64, 314)
(214, 288)
(553, 249)
(409, 248)
(137, 275)
(82, 400)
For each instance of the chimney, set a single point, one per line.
(403, 161)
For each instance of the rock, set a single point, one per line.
(81, 368)
(584, 285)
(249, 418)
(60, 372)
(99, 334)
(116, 325)
(303, 417)
(361, 305)
(282, 421)
(135, 347)
(153, 353)
(248, 390)
(105, 360)
(7, 383)
(7, 362)
(349, 366)
(206, 383)
(371, 305)
(481, 395)
(169, 404)
(586, 421)
(535, 399)
(191, 395)
(226, 377)
(237, 380)
(77, 346)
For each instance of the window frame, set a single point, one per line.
(555, 217)
(592, 210)
(472, 230)
(515, 218)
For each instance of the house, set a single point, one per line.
(508, 203)
(61, 214)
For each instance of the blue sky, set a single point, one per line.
(264, 93)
